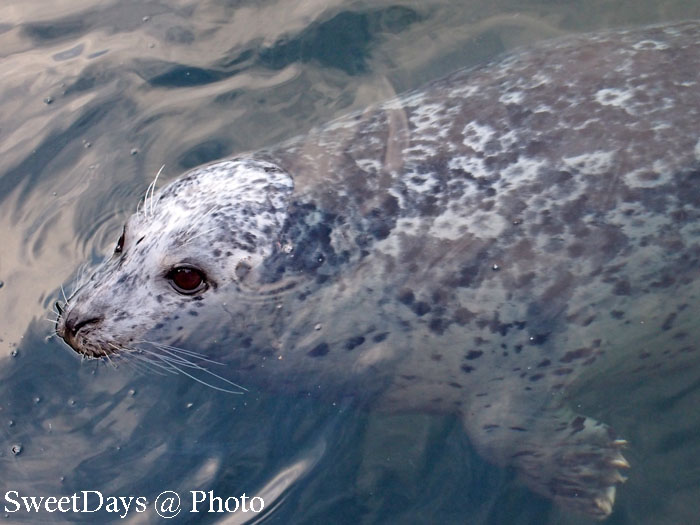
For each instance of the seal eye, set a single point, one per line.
(120, 243)
(187, 280)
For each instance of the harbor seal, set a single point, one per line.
(470, 247)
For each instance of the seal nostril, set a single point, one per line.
(72, 327)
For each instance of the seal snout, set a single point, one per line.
(73, 326)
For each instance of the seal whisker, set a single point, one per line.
(199, 234)
(169, 365)
(80, 281)
(107, 357)
(144, 365)
(183, 351)
(153, 189)
(111, 363)
(220, 389)
(204, 216)
(173, 358)
(155, 359)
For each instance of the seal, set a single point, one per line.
(470, 247)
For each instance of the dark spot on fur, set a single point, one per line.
(495, 325)
(622, 287)
(563, 371)
(576, 250)
(467, 369)
(543, 364)
(617, 314)
(382, 220)
(588, 320)
(308, 229)
(242, 270)
(319, 350)
(469, 272)
(406, 296)
(525, 279)
(578, 424)
(380, 337)
(454, 385)
(572, 211)
(462, 316)
(439, 296)
(421, 308)
(437, 325)
(193, 313)
(538, 339)
(536, 377)
(580, 353)
(473, 354)
(354, 342)
(523, 453)
(668, 322)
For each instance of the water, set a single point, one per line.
(96, 96)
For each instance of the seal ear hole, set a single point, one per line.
(187, 280)
(120, 243)
(242, 269)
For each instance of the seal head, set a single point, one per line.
(201, 235)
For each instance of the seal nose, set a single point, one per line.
(73, 325)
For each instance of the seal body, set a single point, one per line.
(470, 247)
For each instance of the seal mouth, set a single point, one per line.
(75, 331)
(91, 353)
(80, 345)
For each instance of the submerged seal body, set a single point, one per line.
(470, 247)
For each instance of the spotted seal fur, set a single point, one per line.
(470, 247)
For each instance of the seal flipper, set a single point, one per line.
(572, 459)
